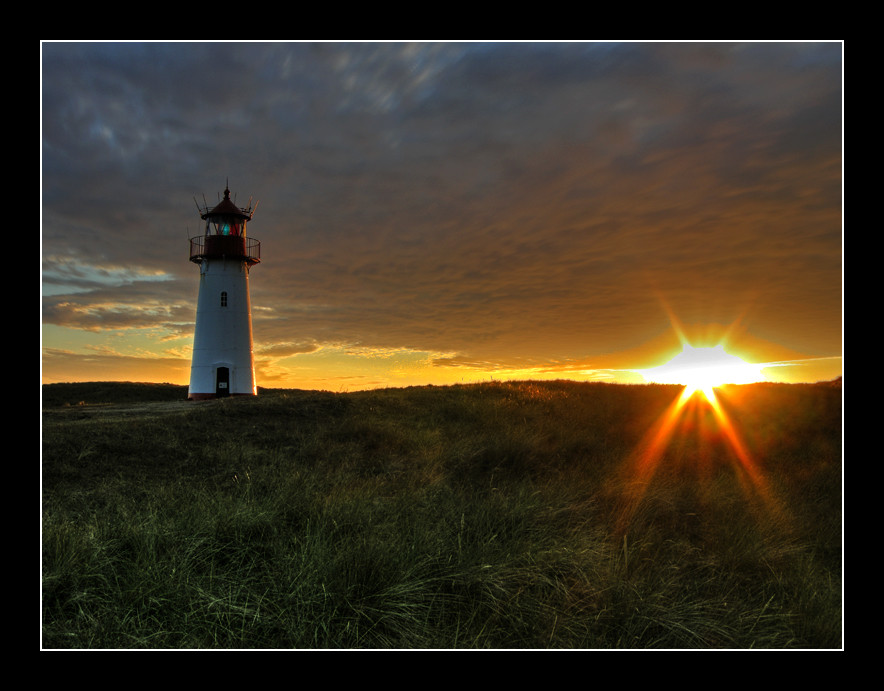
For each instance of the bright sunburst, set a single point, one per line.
(697, 369)
(702, 369)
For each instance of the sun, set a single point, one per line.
(699, 370)
(703, 369)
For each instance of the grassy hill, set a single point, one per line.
(500, 515)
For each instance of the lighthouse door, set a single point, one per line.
(222, 382)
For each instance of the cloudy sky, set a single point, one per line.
(447, 212)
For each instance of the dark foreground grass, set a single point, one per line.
(487, 516)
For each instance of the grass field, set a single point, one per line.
(499, 515)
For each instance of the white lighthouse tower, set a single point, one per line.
(223, 363)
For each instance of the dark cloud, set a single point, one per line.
(497, 202)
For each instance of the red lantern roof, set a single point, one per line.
(226, 208)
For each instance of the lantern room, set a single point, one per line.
(225, 234)
(226, 218)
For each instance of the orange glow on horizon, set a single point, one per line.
(703, 369)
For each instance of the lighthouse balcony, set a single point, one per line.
(225, 247)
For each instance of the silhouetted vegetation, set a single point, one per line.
(105, 393)
(500, 515)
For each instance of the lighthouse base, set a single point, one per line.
(220, 380)
(207, 396)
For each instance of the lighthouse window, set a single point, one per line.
(224, 298)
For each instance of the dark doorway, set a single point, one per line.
(222, 382)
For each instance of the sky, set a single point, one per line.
(447, 212)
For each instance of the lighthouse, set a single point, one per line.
(223, 363)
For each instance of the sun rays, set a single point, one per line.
(694, 437)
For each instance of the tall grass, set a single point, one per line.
(456, 517)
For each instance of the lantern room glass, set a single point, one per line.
(224, 225)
